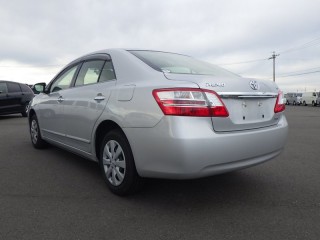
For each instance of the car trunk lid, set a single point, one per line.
(250, 102)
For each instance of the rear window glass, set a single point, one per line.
(180, 64)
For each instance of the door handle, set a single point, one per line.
(99, 97)
(60, 99)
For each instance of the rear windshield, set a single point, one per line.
(179, 64)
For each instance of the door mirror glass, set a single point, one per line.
(38, 88)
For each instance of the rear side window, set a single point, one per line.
(3, 88)
(13, 88)
(25, 88)
(107, 73)
(89, 72)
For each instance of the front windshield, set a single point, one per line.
(180, 64)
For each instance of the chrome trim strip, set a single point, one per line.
(78, 139)
(53, 132)
(247, 94)
(68, 136)
(66, 145)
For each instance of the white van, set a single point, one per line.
(310, 98)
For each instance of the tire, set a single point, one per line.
(304, 103)
(117, 164)
(25, 110)
(35, 134)
(294, 103)
(314, 104)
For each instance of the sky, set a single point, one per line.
(38, 38)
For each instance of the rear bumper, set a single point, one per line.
(180, 148)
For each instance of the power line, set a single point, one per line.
(299, 71)
(298, 74)
(311, 43)
(249, 61)
(308, 44)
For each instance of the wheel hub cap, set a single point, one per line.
(114, 162)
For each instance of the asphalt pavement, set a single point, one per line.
(53, 194)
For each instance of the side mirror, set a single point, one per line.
(38, 88)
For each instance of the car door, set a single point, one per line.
(84, 103)
(14, 97)
(3, 97)
(50, 108)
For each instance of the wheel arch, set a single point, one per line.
(103, 128)
(31, 113)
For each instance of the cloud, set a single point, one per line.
(39, 33)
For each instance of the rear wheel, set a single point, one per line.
(117, 164)
(314, 103)
(304, 103)
(25, 111)
(35, 134)
(294, 103)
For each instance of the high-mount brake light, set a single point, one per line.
(190, 102)
(280, 105)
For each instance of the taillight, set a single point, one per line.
(190, 102)
(280, 105)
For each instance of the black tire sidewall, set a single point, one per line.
(24, 113)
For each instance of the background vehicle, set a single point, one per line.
(318, 100)
(293, 98)
(157, 114)
(309, 98)
(14, 98)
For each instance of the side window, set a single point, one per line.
(3, 88)
(64, 81)
(107, 73)
(13, 88)
(25, 88)
(89, 72)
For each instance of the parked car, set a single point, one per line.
(14, 98)
(293, 98)
(149, 114)
(309, 98)
(318, 100)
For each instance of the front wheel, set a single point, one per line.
(304, 103)
(117, 164)
(35, 134)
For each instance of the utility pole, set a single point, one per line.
(274, 55)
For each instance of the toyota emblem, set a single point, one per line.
(254, 85)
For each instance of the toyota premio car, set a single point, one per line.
(150, 114)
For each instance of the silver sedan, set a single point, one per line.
(143, 114)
